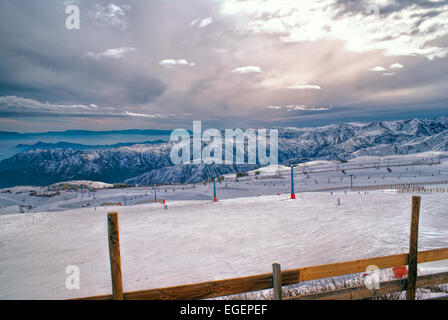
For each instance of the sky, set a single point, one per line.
(161, 64)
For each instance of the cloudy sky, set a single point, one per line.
(231, 63)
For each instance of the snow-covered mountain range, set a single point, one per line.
(150, 163)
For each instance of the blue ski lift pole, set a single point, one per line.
(293, 194)
(214, 191)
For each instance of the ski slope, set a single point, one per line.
(311, 176)
(196, 240)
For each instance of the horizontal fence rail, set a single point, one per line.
(234, 286)
(421, 189)
(417, 186)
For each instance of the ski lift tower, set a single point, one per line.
(293, 194)
(215, 199)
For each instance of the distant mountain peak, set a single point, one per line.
(150, 163)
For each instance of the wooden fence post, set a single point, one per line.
(114, 255)
(277, 281)
(413, 249)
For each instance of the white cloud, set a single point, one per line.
(141, 115)
(157, 116)
(14, 103)
(110, 53)
(378, 69)
(304, 87)
(247, 69)
(396, 66)
(174, 62)
(30, 106)
(300, 108)
(410, 31)
(194, 22)
(392, 67)
(201, 23)
(205, 22)
(111, 15)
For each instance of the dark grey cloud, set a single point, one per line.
(114, 61)
(386, 7)
(41, 59)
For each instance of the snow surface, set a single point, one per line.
(86, 183)
(195, 240)
(311, 176)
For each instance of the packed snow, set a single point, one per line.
(86, 183)
(192, 239)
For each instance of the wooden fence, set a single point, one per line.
(278, 278)
(419, 186)
(421, 189)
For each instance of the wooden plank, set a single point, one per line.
(357, 266)
(349, 267)
(277, 281)
(209, 289)
(213, 289)
(413, 249)
(95, 298)
(433, 255)
(206, 290)
(362, 292)
(261, 282)
(264, 281)
(114, 255)
(432, 280)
